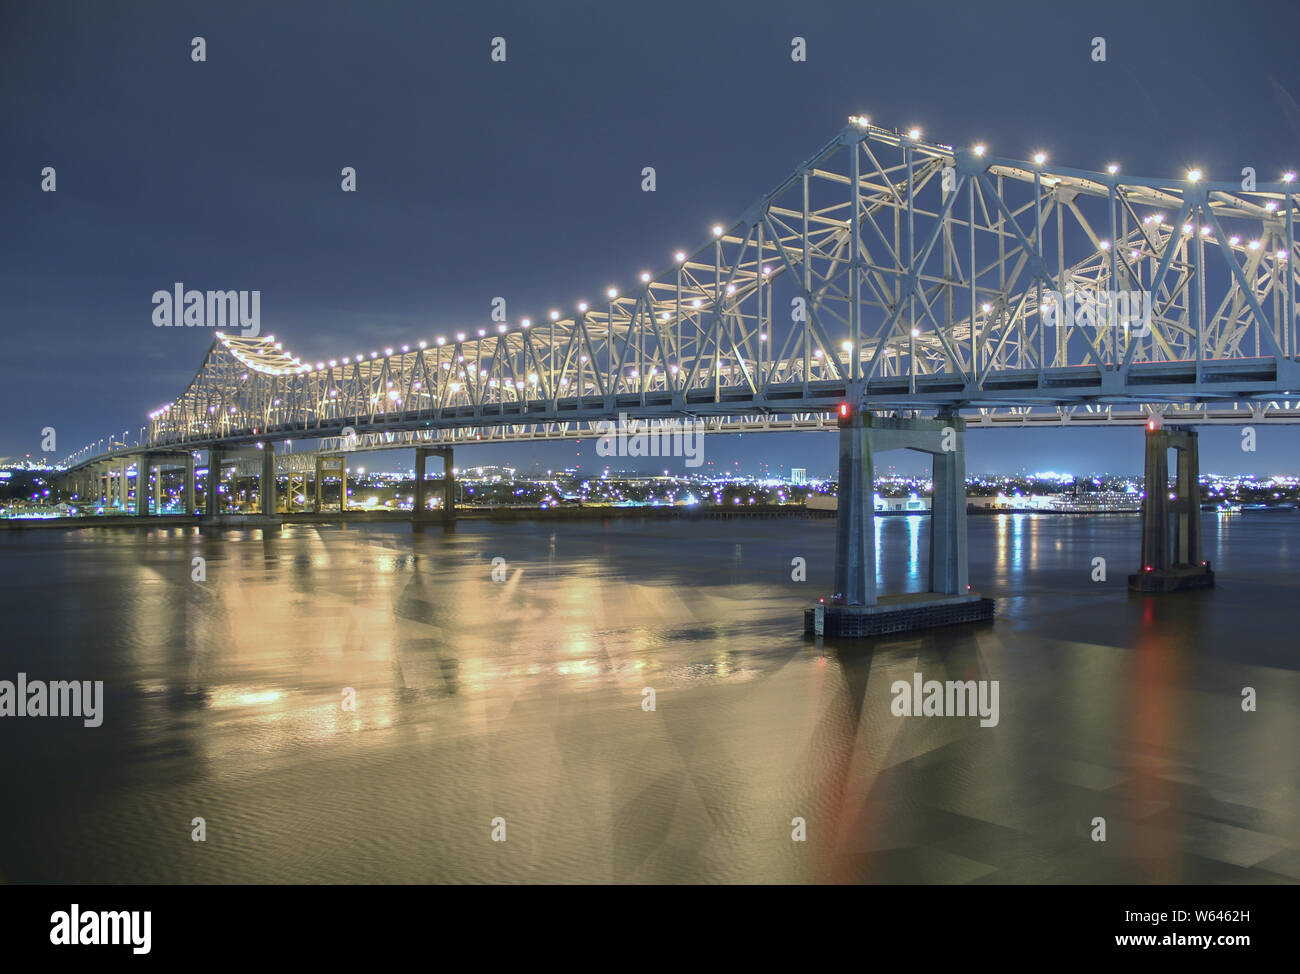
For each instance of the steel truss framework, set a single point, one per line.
(899, 274)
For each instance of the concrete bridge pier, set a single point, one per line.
(420, 510)
(143, 463)
(124, 486)
(266, 492)
(328, 465)
(153, 464)
(1163, 569)
(212, 484)
(857, 609)
(266, 481)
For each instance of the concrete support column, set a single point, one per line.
(419, 512)
(266, 482)
(212, 486)
(948, 564)
(123, 488)
(316, 487)
(855, 531)
(142, 464)
(1187, 540)
(189, 484)
(1155, 503)
(448, 483)
(157, 488)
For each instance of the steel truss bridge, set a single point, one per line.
(902, 275)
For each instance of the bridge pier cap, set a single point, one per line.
(851, 417)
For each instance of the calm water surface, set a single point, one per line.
(521, 699)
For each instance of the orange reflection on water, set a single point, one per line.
(1153, 731)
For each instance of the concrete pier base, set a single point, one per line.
(1172, 579)
(896, 613)
(1171, 560)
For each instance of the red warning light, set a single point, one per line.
(1151, 424)
(844, 410)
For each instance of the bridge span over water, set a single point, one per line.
(904, 277)
(894, 272)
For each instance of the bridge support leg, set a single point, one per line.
(189, 484)
(855, 521)
(448, 484)
(266, 482)
(212, 484)
(142, 465)
(1163, 570)
(157, 488)
(949, 566)
(123, 488)
(857, 610)
(316, 487)
(418, 511)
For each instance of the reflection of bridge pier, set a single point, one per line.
(1164, 570)
(420, 511)
(856, 609)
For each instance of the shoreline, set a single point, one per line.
(501, 514)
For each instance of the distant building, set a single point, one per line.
(910, 504)
(799, 476)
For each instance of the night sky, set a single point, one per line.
(522, 179)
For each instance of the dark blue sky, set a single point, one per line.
(522, 178)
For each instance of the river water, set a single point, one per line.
(519, 699)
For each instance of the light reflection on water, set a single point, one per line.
(523, 698)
